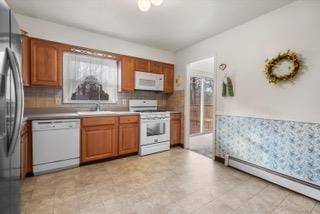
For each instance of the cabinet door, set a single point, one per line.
(156, 67)
(128, 138)
(175, 132)
(127, 74)
(142, 65)
(25, 59)
(46, 63)
(98, 142)
(167, 70)
(24, 155)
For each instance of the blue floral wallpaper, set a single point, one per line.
(291, 148)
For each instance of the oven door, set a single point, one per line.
(154, 131)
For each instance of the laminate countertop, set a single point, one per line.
(53, 116)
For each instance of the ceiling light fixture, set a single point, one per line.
(145, 5)
(156, 2)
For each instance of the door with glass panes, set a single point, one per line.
(201, 105)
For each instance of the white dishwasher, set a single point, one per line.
(56, 144)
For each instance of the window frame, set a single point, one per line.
(118, 70)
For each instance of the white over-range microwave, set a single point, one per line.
(148, 81)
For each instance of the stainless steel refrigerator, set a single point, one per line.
(11, 111)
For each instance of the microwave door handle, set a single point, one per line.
(18, 87)
(158, 83)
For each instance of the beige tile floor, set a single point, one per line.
(178, 181)
(202, 144)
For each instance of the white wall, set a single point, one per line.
(70, 35)
(245, 48)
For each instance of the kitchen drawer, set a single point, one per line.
(129, 119)
(175, 116)
(96, 121)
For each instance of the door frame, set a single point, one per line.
(187, 103)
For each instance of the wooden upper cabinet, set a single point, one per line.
(155, 67)
(25, 59)
(142, 65)
(46, 63)
(167, 70)
(127, 73)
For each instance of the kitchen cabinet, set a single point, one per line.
(25, 59)
(167, 70)
(175, 129)
(46, 63)
(42, 64)
(105, 137)
(127, 74)
(25, 150)
(99, 138)
(128, 134)
(142, 65)
(155, 67)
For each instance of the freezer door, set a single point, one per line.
(11, 111)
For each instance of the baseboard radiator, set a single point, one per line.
(294, 184)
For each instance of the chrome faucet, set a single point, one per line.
(98, 106)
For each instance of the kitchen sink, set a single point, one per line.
(82, 113)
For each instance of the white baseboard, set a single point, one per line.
(302, 187)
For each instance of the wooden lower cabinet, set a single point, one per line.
(106, 137)
(25, 150)
(128, 138)
(24, 155)
(99, 142)
(175, 129)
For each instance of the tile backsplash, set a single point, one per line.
(38, 97)
(49, 100)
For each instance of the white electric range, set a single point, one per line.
(154, 126)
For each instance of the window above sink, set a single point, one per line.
(89, 79)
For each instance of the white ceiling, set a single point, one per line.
(172, 26)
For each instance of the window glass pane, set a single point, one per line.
(195, 105)
(208, 105)
(89, 79)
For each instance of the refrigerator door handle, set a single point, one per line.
(18, 87)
